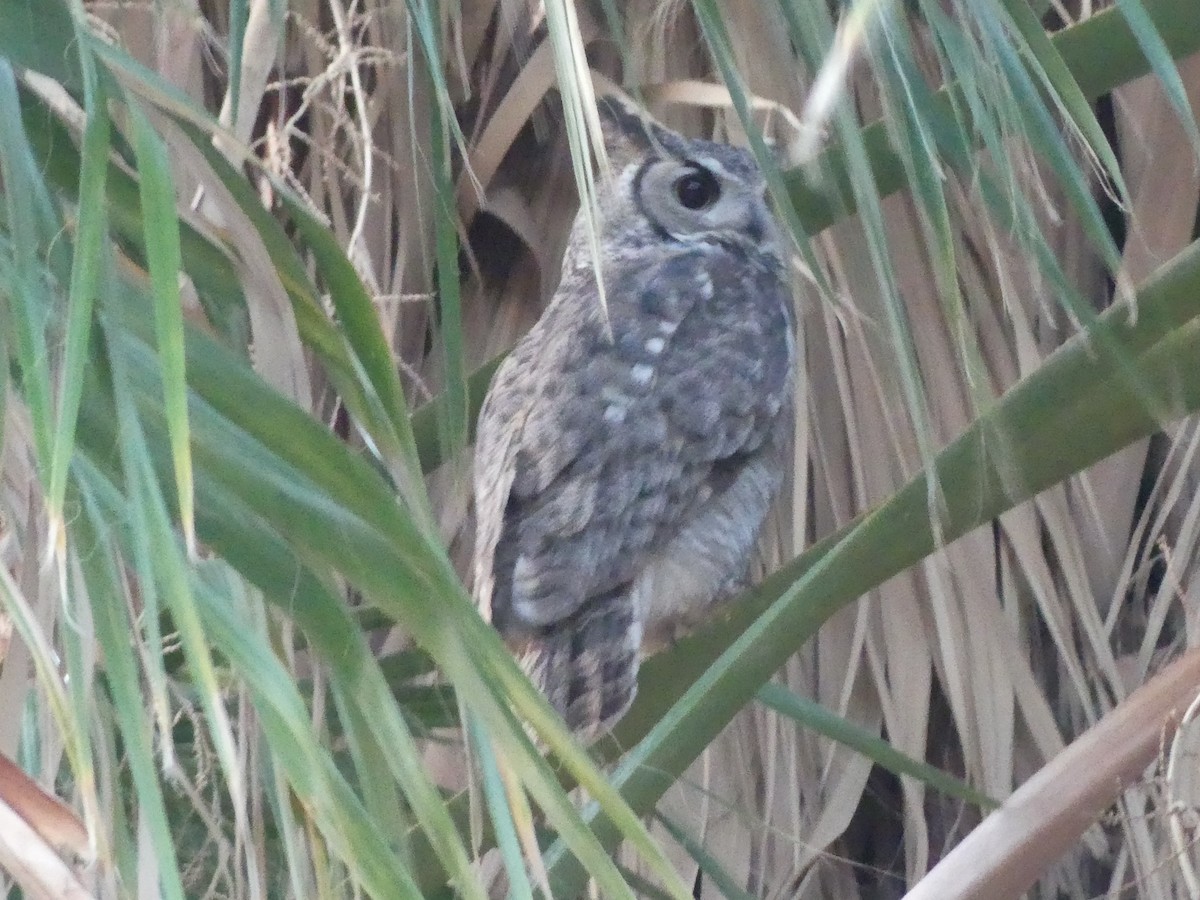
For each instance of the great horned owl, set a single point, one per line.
(627, 452)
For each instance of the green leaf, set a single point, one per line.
(501, 813)
(206, 262)
(353, 670)
(238, 13)
(822, 192)
(161, 230)
(38, 35)
(385, 554)
(90, 248)
(31, 221)
(100, 580)
(1154, 46)
(286, 721)
(165, 575)
(1061, 89)
(824, 721)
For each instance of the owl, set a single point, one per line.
(629, 447)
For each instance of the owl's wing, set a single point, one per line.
(497, 437)
(595, 445)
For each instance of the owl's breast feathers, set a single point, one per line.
(626, 457)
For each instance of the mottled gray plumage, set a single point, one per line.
(626, 457)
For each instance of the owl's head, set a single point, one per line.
(672, 188)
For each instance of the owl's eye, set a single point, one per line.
(697, 189)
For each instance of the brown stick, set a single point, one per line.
(1012, 847)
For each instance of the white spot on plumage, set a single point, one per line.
(615, 413)
(655, 345)
(524, 595)
(528, 610)
(704, 285)
(642, 373)
(666, 326)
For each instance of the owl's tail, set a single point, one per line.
(587, 665)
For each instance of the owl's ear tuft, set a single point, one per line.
(629, 134)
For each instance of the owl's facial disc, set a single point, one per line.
(698, 198)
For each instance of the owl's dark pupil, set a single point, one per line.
(697, 189)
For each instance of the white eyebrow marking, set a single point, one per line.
(713, 165)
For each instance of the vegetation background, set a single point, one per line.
(255, 260)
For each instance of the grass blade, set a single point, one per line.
(1154, 47)
(101, 583)
(823, 721)
(85, 276)
(161, 231)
